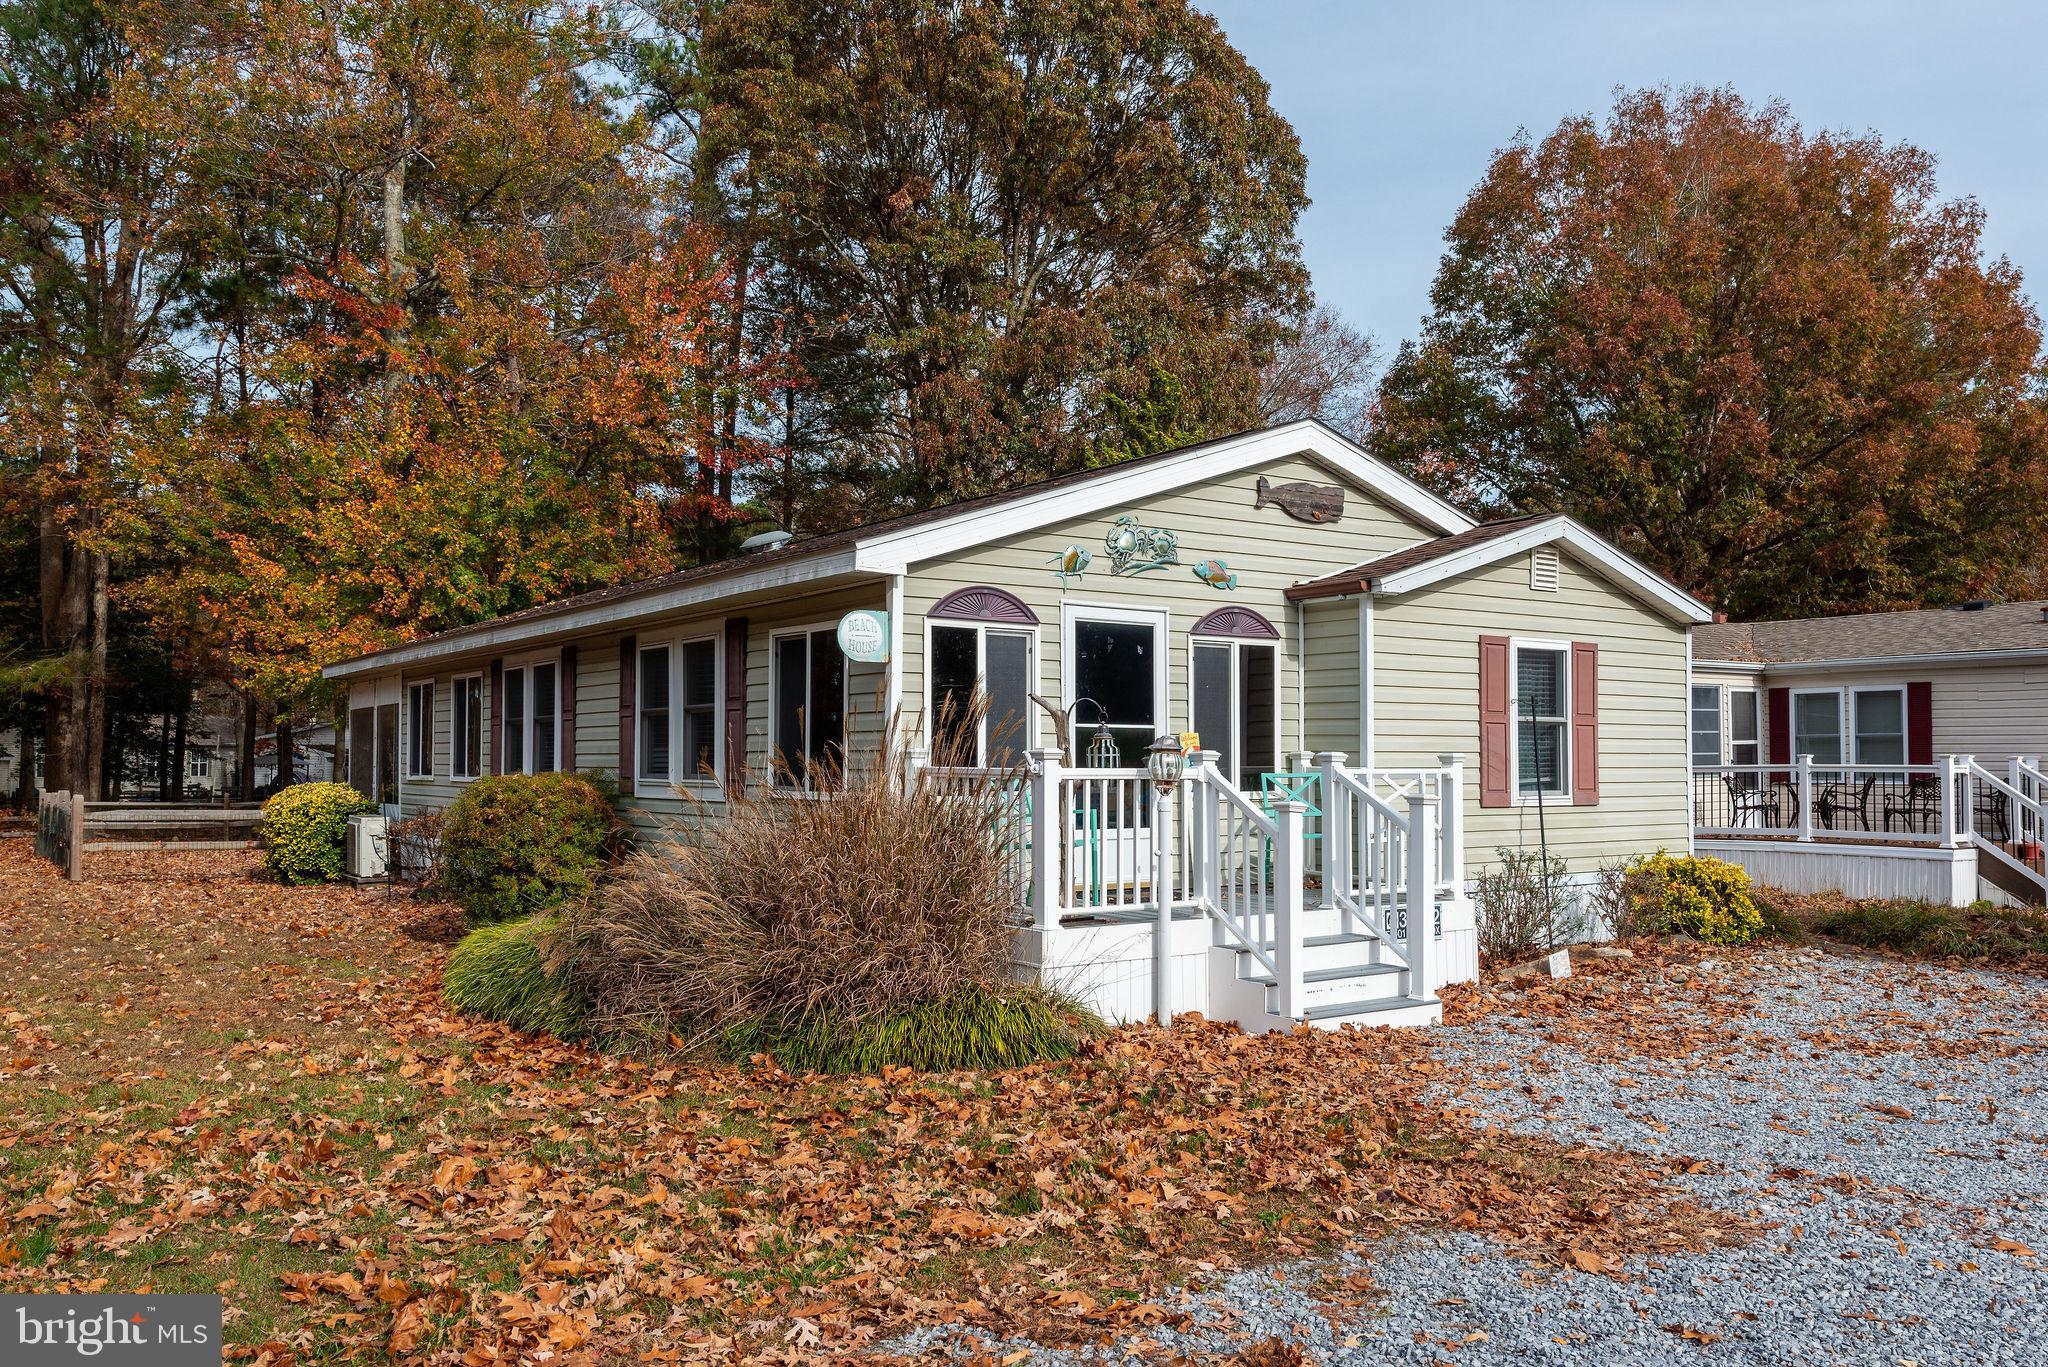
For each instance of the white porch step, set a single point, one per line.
(1346, 983)
(1387, 1011)
(1339, 949)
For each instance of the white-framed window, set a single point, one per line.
(419, 730)
(1540, 694)
(531, 729)
(807, 684)
(199, 764)
(1745, 730)
(1706, 724)
(1817, 724)
(1234, 704)
(679, 727)
(466, 726)
(1877, 725)
(995, 664)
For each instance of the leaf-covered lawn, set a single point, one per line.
(210, 1083)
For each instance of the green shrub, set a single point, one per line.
(975, 1027)
(1981, 931)
(522, 843)
(305, 829)
(1705, 898)
(499, 972)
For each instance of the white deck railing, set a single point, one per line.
(2000, 808)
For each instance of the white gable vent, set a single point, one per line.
(1543, 569)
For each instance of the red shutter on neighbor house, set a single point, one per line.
(1494, 739)
(1778, 702)
(1585, 724)
(1920, 723)
(568, 709)
(629, 681)
(735, 719)
(497, 736)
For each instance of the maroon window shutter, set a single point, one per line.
(629, 682)
(497, 736)
(1585, 724)
(1920, 723)
(1778, 702)
(736, 704)
(1494, 740)
(568, 764)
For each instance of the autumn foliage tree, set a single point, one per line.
(1770, 362)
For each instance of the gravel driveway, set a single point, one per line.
(1883, 1120)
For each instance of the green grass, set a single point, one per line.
(974, 1028)
(1982, 931)
(496, 972)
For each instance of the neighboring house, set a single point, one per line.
(1279, 592)
(312, 756)
(1891, 696)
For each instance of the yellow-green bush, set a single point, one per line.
(1707, 899)
(500, 972)
(305, 828)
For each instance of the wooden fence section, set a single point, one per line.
(67, 827)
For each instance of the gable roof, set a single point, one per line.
(1433, 562)
(891, 546)
(1922, 633)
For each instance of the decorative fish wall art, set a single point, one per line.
(1216, 574)
(1303, 502)
(1071, 564)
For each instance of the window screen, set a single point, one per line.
(1742, 727)
(825, 745)
(387, 753)
(1817, 726)
(544, 704)
(652, 692)
(955, 671)
(1541, 724)
(1009, 697)
(1259, 722)
(419, 721)
(466, 717)
(700, 710)
(1706, 725)
(513, 731)
(792, 672)
(1212, 713)
(1880, 726)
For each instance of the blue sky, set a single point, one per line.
(1400, 106)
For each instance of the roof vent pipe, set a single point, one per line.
(765, 541)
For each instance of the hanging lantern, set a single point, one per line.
(1102, 749)
(1166, 762)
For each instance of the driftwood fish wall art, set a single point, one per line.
(1303, 502)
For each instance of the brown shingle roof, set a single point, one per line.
(1875, 635)
(1360, 578)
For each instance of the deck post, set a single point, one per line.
(1046, 868)
(74, 865)
(1451, 821)
(1958, 801)
(1420, 941)
(1336, 827)
(1162, 910)
(1289, 902)
(1803, 776)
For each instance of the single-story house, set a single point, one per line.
(1891, 696)
(1308, 611)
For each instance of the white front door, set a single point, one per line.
(1114, 684)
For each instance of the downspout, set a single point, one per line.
(1366, 747)
(1301, 677)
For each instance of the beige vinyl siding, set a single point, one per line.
(1267, 549)
(1992, 711)
(1335, 701)
(1426, 702)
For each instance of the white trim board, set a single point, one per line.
(1609, 561)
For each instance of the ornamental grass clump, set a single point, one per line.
(500, 972)
(305, 829)
(869, 924)
(1708, 899)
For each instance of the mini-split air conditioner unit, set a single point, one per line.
(363, 858)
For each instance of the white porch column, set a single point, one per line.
(1451, 821)
(1420, 942)
(1289, 902)
(1047, 867)
(1336, 827)
(1958, 801)
(1803, 776)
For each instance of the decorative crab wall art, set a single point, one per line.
(1134, 549)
